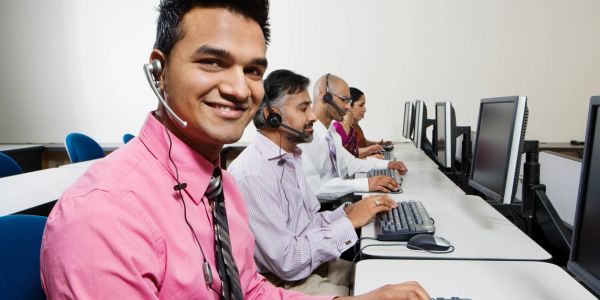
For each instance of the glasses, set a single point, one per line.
(343, 98)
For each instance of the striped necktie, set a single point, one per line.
(332, 155)
(228, 272)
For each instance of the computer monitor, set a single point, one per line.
(498, 145)
(421, 124)
(408, 126)
(585, 246)
(445, 134)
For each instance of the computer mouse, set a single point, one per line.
(388, 147)
(428, 242)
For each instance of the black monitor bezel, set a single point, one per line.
(472, 183)
(580, 272)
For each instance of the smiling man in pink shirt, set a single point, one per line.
(158, 219)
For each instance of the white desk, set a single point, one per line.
(428, 181)
(424, 182)
(418, 164)
(412, 157)
(475, 280)
(81, 165)
(28, 190)
(471, 225)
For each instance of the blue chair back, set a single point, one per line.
(81, 147)
(127, 137)
(8, 166)
(20, 243)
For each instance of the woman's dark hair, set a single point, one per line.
(171, 12)
(355, 94)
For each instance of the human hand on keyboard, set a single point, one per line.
(361, 212)
(383, 184)
(397, 165)
(404, 291)
(374, 149)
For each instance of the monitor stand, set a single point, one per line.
(543, 224)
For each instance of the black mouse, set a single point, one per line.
(388, 147)
(428, 242)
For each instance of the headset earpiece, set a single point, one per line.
(156, 69)
(273, 118)
(327, 97)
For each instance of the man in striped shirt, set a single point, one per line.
(297, 246)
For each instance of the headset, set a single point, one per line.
(274, 120)
(153, 71)
(328, 97)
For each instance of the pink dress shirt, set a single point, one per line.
(119, 232)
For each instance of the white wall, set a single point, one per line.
(77, 65)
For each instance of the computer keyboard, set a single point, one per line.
(388, 155)
(403, 222)
(387, 172)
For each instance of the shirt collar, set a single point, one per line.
(193, 168)
(319, 128)
(270, 150)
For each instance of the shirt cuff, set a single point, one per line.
(345, 234)
(339, 212)
(361, 185)
(382, 164)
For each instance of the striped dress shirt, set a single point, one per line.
(292, 237)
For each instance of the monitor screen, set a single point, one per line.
(584, 261)
(496, 158)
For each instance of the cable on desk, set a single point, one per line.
(450, 250)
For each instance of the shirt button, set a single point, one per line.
(348, 242)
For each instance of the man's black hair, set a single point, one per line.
(355, 94)
(171, 12)
(278, 84)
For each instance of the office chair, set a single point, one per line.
(81, 147)
(127, 137)
(8, 166)
(20, 243)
